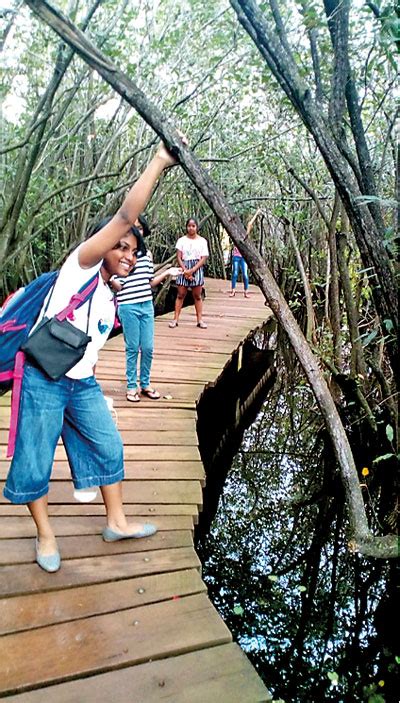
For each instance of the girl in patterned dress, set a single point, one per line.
(192, 254)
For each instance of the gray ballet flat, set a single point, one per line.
(49, 563)
(110, 535)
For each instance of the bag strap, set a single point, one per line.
(49, 298)
(76, 300)
(15, 398)
(79, 298)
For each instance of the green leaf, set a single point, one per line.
(238, 610)
(389, 433)
(382, 457)
(272, 577)
(333, 676)
(302, 589)
(376, 698)
(388, 324)
(366, 340)
(383, 202)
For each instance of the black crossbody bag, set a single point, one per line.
(55, 346)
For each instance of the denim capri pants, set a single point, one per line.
(75, 410)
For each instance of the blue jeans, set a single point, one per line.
(238, 262)
(76, 411)
(138, 325)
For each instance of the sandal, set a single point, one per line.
(232, 294)
(202, 325)
(133, 396)
(173, 323)
(151, 393)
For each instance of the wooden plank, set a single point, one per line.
(106, 642)
(22, 550)
(145, 410)
(41, 609)
(186, 344)
(28, 578)
(12, 527)
(215, 333)
(147, 511)
(151, 422)
(140, 470)
(155, 437)
(164, 452)
(135, 492)
(206, 360)
(161, 373)
(184, 390)
(140, 453)
(222, 673)
(139, 437)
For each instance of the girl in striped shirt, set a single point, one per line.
(136, 312)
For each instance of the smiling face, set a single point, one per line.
(191, 228)
(122, 258)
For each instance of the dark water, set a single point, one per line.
(316, 620)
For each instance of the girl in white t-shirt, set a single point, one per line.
(74, 407)
(192, 254)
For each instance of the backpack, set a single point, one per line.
(17, 317)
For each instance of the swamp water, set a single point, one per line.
(314, 618)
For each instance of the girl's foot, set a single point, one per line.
(173, 323)
(151, 393)
(130, 531)
(47, 554)
(232, 294)
(46, 545)
(246, 295)
(133, 396)
(202, 325)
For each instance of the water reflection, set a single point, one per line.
(311, 615)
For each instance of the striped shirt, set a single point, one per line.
(136, 286)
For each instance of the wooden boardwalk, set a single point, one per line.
(130, 621)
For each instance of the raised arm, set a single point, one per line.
(95, 248)
(251, 222)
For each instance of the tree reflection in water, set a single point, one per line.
(316, 619)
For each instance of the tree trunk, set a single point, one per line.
(366, 228)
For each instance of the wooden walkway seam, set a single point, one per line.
(130, 621)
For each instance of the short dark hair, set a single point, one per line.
(134, 230)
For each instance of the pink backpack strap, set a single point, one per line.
(15, 398)
(77, 300)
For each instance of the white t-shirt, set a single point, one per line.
(192, 248)
(102, 311)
